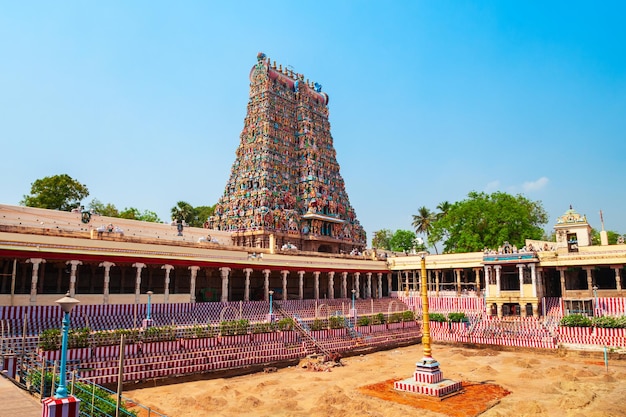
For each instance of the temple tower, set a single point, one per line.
(285, 180)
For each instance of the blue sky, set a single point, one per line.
(144, 101)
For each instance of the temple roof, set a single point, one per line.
(571, 216)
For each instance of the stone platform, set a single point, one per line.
(428, 380)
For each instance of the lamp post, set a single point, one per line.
(149, 306)
(353, 309)
(595, 299)
(271, 301)
(67, 303)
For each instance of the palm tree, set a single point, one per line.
(443, 207)
(183, 211)
(423, 222)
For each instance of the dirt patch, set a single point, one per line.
(474, 400)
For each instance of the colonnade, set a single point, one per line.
(367, 289)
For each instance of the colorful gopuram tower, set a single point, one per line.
(285, 189)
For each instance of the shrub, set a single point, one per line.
(317, 325)
(408, 316)
(95, 401)
(202, 331)
(337, 322)
(456, 317)
(395, 318)
(132, 335)
(50, 339)
(379, 318)
(363, 321)
(78, 338)
(438, 317)
(285, 324)
(609, 322)
(575, 320)
(234, 327)
(263, 328)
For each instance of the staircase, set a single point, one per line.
(305, 331)
(349, 326)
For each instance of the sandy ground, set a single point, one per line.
(540, 384)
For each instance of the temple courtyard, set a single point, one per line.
(497, 383)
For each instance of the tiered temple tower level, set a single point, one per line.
(286, 181)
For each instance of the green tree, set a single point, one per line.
(423, 223)
(444, 208)
(58, 192)
(102, 209)
(202, 214)
(489, 220)
(611, 235)
(133, 213)
(382, 239)
(402, 240)
(183, 211)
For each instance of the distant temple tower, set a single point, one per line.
(285, 189)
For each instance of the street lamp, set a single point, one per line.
(149, 305)
(595, 299)
(67, 303)
(271, 294)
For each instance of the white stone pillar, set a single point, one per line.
(166, 294)
(520, 276)
(406, 282)
(192, 283)
(380, 285)
(457, 272)
(74, 266)
(224, 273)
(344, 285)
(246, 289)
(266, 284)
(389, 286)
(284, 274)
(316, 283)
(533, 277)
(139, 266)
(487, 280)
(618, 278)
(498, 268)
(34, 278)
(107, 279)
(589, 278)
(437, 282)
(368, 276)
(331, 285)
(477, 279)
(300, 285)
(357, 284)
(540, 289)
(563, 284)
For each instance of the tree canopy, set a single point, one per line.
(382, 239)
(193, 216)
(58, 192)
(487, 220)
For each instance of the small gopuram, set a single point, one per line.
(572, 231)
(285, 190)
